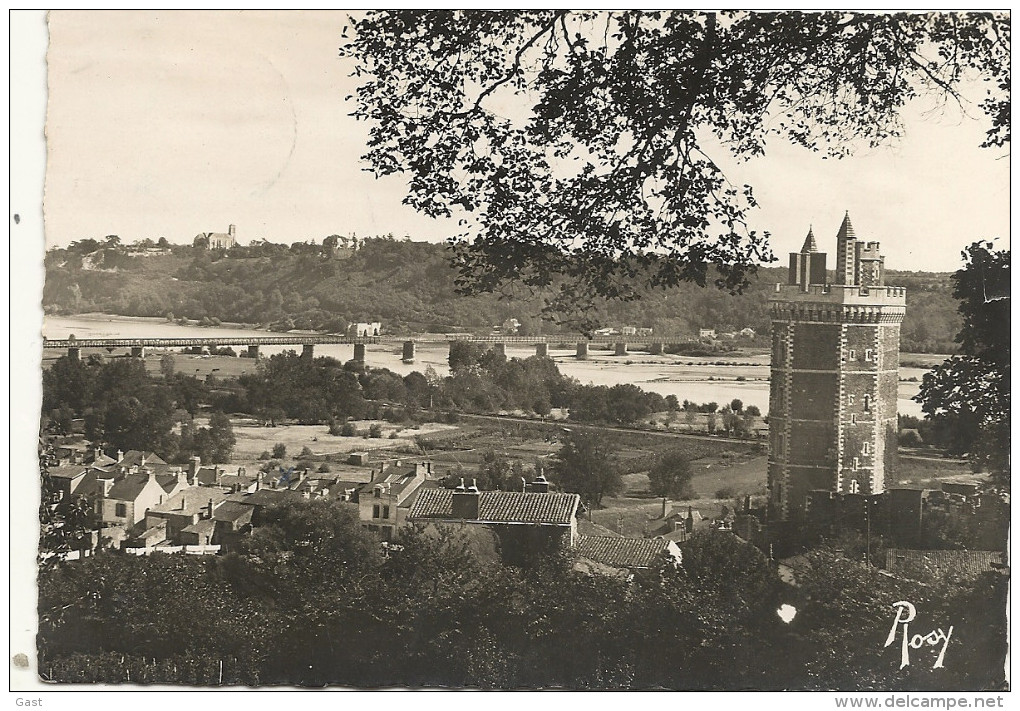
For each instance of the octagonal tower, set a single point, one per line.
(835, 372)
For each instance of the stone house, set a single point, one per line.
(125, 502)
(523, 523)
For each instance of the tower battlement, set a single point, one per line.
(842, 294)
(835, 374)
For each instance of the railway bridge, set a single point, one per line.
(137, 346)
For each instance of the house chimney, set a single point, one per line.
(141, 461)
(747, 503)
(218, 474)
(465, 502)
(182, 477)
(210, 507)
(120, 456)
(194, 464)
(665, 506)
(232, 230)
(540, 485)
(258, 480)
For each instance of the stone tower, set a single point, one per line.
(835, 361)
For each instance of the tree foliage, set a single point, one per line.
(970, 393)
(581, 149)
(310, 600)
(586, 464)
(671, 475)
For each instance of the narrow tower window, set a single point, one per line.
(866, 448)
(867, 403)
(868, 355)
(853, 354)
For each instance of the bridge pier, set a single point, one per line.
(621, 349)
(499, 348)
(582, 350)
(408, 355)
(253, 352)
(359, 352)
(74, 354)
(655, 349)
(137, 351)
(307, 350)
(542, 350)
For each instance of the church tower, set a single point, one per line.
(835, 372)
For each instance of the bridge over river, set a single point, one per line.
(307, 341)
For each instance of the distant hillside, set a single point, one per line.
(406, 285)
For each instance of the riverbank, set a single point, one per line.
(717, 379)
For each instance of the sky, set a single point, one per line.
(167, 124)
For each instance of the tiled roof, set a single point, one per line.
(413, 496)
(128, 488)
(923, 563)
(167, 481)
(134, 457)
(207, 475)
(501, 507)
(194, 500)
(206, 525)
(231, 511)
(102, 460)
(264, 497)
(621, 552)
(68, 472)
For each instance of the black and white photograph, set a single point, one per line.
(478, 349)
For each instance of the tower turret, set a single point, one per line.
(808, 265)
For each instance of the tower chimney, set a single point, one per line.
(232, 231)
(465, 502)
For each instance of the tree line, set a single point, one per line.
(311, 599)
(409, 287)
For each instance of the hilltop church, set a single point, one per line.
(217, 240)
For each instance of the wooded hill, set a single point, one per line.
(406, 285)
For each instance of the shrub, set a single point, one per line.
(349, 430)
(265, 455)
(375, 431)
(727, 492)
(279, 450)
(910, 438)
(324, 468)
(306, 452)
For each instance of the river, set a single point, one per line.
(689, 378)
